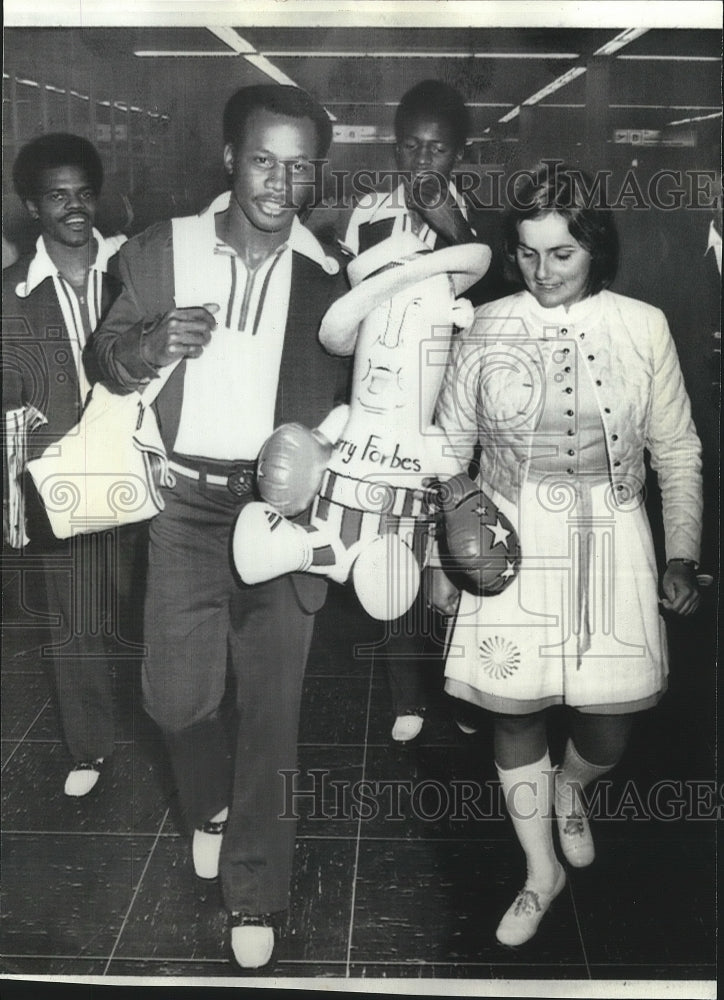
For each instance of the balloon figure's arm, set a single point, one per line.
(293, 459)
(334, 423)
(478, 543)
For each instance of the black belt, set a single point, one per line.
(238, 477)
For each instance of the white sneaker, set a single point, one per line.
(521, 920)
(406, 728)
(206, 845)
(252, 943)
(83, 778)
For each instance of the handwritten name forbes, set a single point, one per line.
(373, 453)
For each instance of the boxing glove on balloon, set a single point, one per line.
(290, 468)
(479, 544)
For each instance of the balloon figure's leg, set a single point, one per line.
(386, 576)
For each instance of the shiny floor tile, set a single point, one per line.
(23, 699)
(440, 902)
(129, 796)
(330, 719)
(66, 895)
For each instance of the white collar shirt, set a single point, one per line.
(81, 311)
(714, 243)
(230, 391)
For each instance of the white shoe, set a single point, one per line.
(206, 846)
(521, 920)
(406, 728)
(83, 778)
(252, 941)
(574, 833)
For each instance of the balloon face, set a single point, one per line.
(390, 370)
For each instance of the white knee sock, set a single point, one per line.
(575, 774)
(528, 796)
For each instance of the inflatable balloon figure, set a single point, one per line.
(378, 474)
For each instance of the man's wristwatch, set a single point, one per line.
(685, 562)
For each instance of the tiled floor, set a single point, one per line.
(401, 877)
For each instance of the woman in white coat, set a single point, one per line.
(563, 386)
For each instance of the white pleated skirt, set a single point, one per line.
(580, 625)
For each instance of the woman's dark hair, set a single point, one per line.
(434, 99)
(570, 193)
(280, 100)
(56, 149)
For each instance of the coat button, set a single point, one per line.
(591, 357)
(614, 437)
(567, 368)
(569, 471)
(617, 463)
(569, 413)
(599, 382)
(607, 409)
(570, 433)
(571, 451)
(568, 390)
(564, 330)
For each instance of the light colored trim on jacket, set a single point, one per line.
(496, 381)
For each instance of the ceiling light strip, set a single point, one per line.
(619, 41)
(177, 54)
(359, 54)
(613, 45)
(698, 118)
(662, 58)
(232, 38)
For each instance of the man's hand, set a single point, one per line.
(680, 589)
(440, 210)
(181, 333)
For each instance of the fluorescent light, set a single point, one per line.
(242, 47)
(234, 40)
(362, 54)
(670, 107)
(510, 116)
(27, 83)
(393, 104)
(555, 85)
(622, 39)
(715, 59)
(55, 90)
(262, 63)
(698, 118)
(174, 54)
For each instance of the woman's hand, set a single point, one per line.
(442, 594)
(680, 589)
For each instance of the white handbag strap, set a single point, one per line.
(153, 388)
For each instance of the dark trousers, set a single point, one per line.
(90, 585)
(413, 650)
(199, 619)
